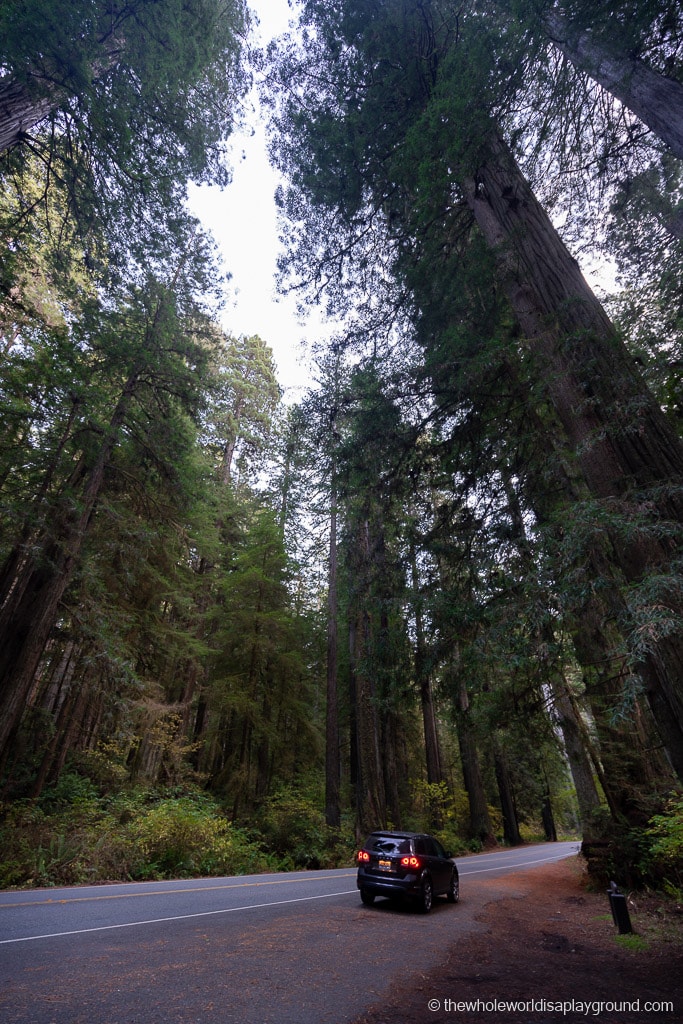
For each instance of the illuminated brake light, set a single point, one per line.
(410, 862)
(363, 856)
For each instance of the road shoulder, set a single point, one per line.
(546, 940)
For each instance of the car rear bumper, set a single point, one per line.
(380, 885)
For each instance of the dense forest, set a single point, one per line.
(443, 590)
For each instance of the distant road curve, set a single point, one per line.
(295, 948)
(499, 862)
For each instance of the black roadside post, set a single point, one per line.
(620, 914)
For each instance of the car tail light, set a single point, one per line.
(363, 856)
(410, 862)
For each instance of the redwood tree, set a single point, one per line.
(143, 348)
(404, 133)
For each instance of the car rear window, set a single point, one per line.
(387, 844)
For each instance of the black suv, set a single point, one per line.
(406, 864)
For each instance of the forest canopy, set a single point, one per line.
(443, 590)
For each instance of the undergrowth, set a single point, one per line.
(74, 834)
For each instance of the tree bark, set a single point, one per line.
(653, 97)
(230, 445)
(622, 443)
(622, 749)
(592, 619)
(622, 439)
(424, 685)
(548, 819)
(587, 795)
(20, 111)
(332, 762)
(480, 821)
(355, 770)
(390, 765)
(507, 797)
(369, 789)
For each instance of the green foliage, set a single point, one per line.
(437, 809)
(72, 835)
(62, 843)
(187, 836)
(137, 99)
(238, 423)
(650, 856)
(293, 826)
(71, 791)
(666, 836)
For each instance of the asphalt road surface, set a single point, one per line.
(296, 948)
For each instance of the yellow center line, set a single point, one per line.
(168, 892)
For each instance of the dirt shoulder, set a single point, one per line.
(552, 941)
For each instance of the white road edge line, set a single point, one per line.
(523, 864)
(182, 917)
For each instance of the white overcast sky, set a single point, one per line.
(242, 219)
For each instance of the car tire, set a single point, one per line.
(426, 895)
(453, 894)
(367, 898)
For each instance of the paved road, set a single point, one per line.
(292, 948)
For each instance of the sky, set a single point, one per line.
(242, 219)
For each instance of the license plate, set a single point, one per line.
(384, 865)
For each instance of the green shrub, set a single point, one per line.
(666, 844)
(294, 829)
(73, 836)
(71, 791)
(185, 836)
(437, 802)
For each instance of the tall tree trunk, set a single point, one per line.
(65, 712)
(480, 821)
(369, 787)
(587, 795)
(507, 796)
(23, 107)
(619, 433)
(355, 770)
(424, 684)
(622, 752)
(14, 567)
(621, 440)
(70, 736)
(370, 793)
(548, 819)
(225, 472)
(592, 619)
(577, 755)
(332, 760)
(61, 674)
(653, 97)
(263, 757)
(390, 765)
